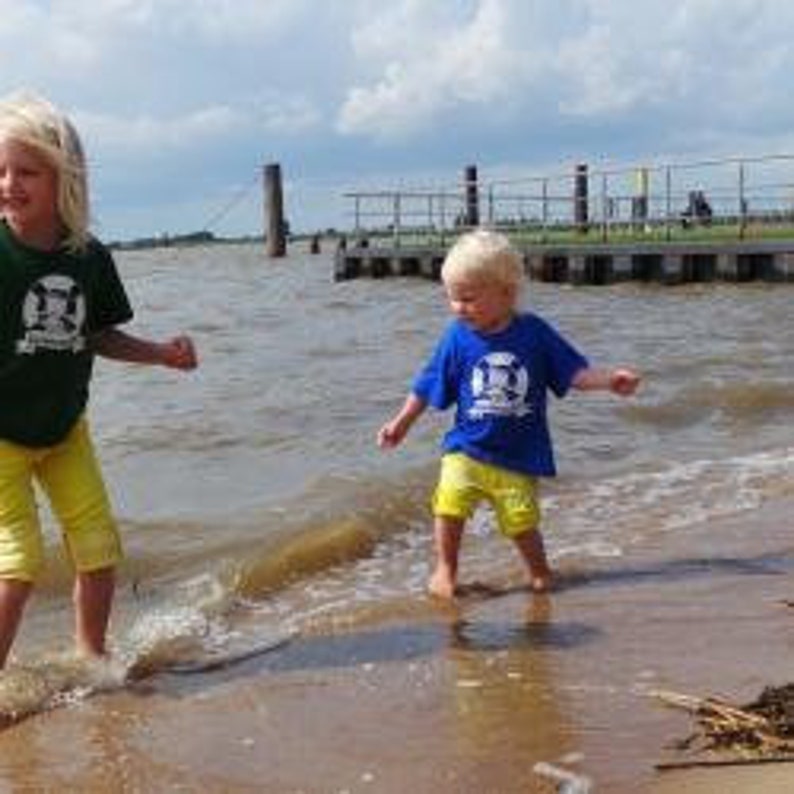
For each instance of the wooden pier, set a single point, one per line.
(659, 262)
(670, 223)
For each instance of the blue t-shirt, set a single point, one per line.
(499, 383)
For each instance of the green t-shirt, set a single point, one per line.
(50, 304)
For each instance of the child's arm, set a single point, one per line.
(621, 380)
(395, 430)
(177, 353)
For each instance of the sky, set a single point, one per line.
(181, 103)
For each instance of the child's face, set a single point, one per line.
(28, 194)
(486, 307)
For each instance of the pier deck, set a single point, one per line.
(598, 263)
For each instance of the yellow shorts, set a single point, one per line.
(69, 474)
(464, 483)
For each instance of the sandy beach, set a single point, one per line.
(462, 698)
(777, 779)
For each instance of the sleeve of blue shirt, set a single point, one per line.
(436, 384)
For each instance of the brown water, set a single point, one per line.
(255, 505)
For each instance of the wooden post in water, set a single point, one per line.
(580, 201)
(472, 204)
(275, 227)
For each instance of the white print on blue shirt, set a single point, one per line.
(499, 386)
(53, 313)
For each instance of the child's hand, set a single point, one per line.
(391, 434)
(624, 381)
(180, 353)
(396, 429)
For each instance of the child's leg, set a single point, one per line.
(21, 545)
(73, 481)
(13, 597)
(515, 499)
(533, 553)
(447, 534)
(93, 597)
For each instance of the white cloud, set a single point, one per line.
(422, 65)
(148, 133)
(135, 47)
(31, 45)
(214, 123)
(688, 55)
(228, 21)
(425, 73)
(209, 20)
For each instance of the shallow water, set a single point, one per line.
(254, 501)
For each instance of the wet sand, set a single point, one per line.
(463, 698)
(776, 779)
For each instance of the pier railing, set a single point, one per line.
(720, 199)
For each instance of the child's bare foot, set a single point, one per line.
(441, 585)
(542, 583)
(533, 553)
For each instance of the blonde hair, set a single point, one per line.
(484, 255)
(35, 122)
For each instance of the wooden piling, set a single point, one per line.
(472, 196)
(275, 227)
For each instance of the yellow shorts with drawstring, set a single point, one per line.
(464, 483)
(69, 474)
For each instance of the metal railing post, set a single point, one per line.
(396, 220)
(604, 213)
(443, 212)
(430, 225)
(742, 203)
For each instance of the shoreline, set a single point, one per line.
(467, 697)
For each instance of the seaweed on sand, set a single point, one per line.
(757, 732)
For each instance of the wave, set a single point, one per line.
(734, 402)
(609, 514)
(329, 570)
(52, 681)
(384, 526)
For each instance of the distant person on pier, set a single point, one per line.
(496, 365)
(61, 300)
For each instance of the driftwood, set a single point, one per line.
(758, 732)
